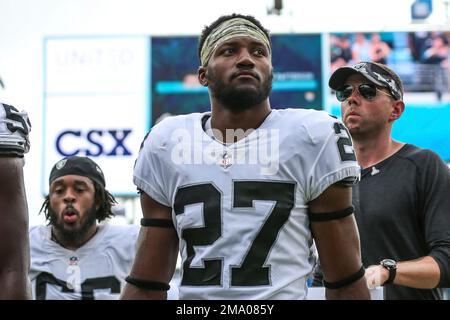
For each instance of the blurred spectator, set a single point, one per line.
(437, 55)
(360, 48)
(379, 50)
(417, 44)
(341, 52)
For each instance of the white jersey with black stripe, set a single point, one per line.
(240, 210)
(97, 270)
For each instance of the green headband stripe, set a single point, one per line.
(236, 27)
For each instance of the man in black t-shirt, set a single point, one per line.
(402, 203)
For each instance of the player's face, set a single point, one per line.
(72, 206)
(239, 73)
(364, 116)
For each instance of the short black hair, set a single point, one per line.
(102, 196)
(207, 29)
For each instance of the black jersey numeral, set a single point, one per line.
(211, 198)
(17, 121)
(349, 154)
(252, 271)
(87, 287)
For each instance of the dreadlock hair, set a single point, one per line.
(207, 29)
(102, 196)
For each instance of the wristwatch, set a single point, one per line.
(391, 266)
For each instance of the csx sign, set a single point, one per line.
(93, 143)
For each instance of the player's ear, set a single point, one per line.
(202, 76)
(97, 202)
(397, 109)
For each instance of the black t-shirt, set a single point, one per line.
(402, 208)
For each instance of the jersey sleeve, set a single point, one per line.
(331, 156)
(435, 185)
(14, 129)
(149, 168)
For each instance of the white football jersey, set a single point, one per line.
(97, 270)
(240, 210)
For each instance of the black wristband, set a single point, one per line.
(147, 284)
(345, 282)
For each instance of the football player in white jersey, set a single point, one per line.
(242, 191)
(14, 247)
(74, 257)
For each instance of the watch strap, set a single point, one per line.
(392, 274)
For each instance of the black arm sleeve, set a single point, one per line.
(435, 191)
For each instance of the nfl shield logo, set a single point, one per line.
(226, 161)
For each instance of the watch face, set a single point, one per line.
(389, 263)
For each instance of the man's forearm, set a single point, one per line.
(422, 273)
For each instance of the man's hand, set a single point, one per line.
(376, 276)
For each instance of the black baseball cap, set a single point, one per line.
(80, 166)
(374, 72)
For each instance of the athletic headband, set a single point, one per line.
(235, 27)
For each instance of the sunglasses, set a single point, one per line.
(366, 90)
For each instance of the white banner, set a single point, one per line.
(96, 104)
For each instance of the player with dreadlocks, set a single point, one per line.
(74, 257)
